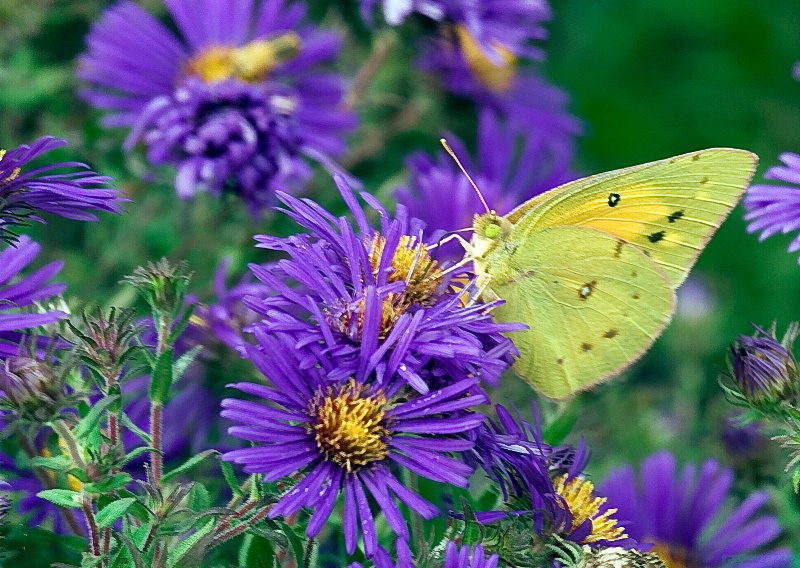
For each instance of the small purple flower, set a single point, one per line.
(681, 513)
(462, 557)
(374, 304)
(349, 436)
(235, 103)
(773, 209)
(24, 299)
(743, 440)
(25, 193)
(439, 193)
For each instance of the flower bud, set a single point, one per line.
(764, 369)
(30, 388)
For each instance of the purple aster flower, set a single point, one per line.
(235, 103)
(463, 557)
(439, 193)
(368, 302)
(24, 299)
(349, 436)
(542, 482)
(773, 209)
(25, 193)
(682, 513)
(743, 440)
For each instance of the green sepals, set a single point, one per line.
(62, 497)
(161, 380)
(189, 464)
(163, 286)
(109, 514)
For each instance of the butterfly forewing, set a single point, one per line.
(594, 304)
(669, 209)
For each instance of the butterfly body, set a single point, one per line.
(592, 266)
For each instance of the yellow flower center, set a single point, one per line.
(583, 506)
(671, 556)
(250, 63)
(496, 77)
(411, 264)
(349, 427)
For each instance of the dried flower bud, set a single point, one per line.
(764, 369)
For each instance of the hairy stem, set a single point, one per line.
(94, 536)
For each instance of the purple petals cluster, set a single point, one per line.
(24, 299)
(375, 303)
(683, 513)
(348, 436)
(235, 105)
(26, 192)
(775, 208)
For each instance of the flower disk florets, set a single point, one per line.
(578, 495)
(349, 426)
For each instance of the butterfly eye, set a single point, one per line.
(492, 231)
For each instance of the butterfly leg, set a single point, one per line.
(468, 248)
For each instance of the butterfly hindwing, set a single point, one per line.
(669, 208)
(594, 304)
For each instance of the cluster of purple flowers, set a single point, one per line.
(235, 103)
(373, 355)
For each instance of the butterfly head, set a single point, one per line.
(487, 230)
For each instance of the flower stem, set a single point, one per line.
(155, 431)
(94, 537)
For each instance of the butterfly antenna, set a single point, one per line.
(449, 150)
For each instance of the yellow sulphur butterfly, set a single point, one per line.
(592, 266)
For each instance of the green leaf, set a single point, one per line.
(230, 477)
(56, 463)
(91, 422)
(255, 551)
(109, 484)
(189, 552)
(108, 515)
(189, 464)
(135, 453)
(62, 497)
(558, 429)
(183, 362)
(473, 531)
(199, 498)
(178, 330)
(161, 380)
(297, 545)
(144, 436)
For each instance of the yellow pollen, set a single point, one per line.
(671, 556)
(250, 63)
(349, 427)
(73, 482)
(495, 77)
(198, 321)
(578, 495)
(411, 264)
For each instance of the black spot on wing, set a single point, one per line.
(560, 360)
(655, 237)
(674, 216)
(705, 180)
(635, 296)
(613, 199)
(611, 333)
(695, 157)
(586, 346)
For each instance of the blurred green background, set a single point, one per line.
(648, 79)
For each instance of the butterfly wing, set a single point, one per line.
(669, 208)
(594, 304)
